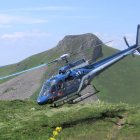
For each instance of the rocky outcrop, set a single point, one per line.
(79, 43)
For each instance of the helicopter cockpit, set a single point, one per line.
(52, 86)
(49, 87)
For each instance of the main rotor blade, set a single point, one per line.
(33, 68)
(104, 43)
(18, 73)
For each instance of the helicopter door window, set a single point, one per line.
(72, 84)
(60, 85)
(60, 88)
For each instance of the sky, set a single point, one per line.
(29, 27)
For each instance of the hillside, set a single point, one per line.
(23, 86)
(119, 83)
(100, 121)
(25, 119)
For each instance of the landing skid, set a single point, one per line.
(74, 98)
(83, 97)
(87, 95)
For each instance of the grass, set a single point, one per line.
(26, 120)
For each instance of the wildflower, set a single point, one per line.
(51, 138)
(55, 133)
(58, 129)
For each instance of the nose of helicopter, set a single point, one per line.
(42, 100)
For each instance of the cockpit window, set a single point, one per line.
(48, 87)
(45, 88)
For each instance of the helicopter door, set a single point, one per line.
(71, 85)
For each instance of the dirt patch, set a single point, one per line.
(22, 86)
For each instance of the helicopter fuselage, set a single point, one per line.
(74, 77)
(64, 83)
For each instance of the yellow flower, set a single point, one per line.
(51, 138)
(55, 133)
(58, 129)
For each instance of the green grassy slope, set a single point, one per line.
(120, 83)
(101, 121)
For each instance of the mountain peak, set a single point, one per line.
(81, 42)
(79, 35)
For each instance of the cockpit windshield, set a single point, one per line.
(48, 87)
(45, 88)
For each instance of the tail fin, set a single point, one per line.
(138, 38)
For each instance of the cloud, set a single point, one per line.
(5, 26)
(44, 8)
(76, 17)
(17, 46)
(8, 20)
(16, 36)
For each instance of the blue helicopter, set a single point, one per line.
(74, 77)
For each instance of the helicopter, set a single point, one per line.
(76, 76)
